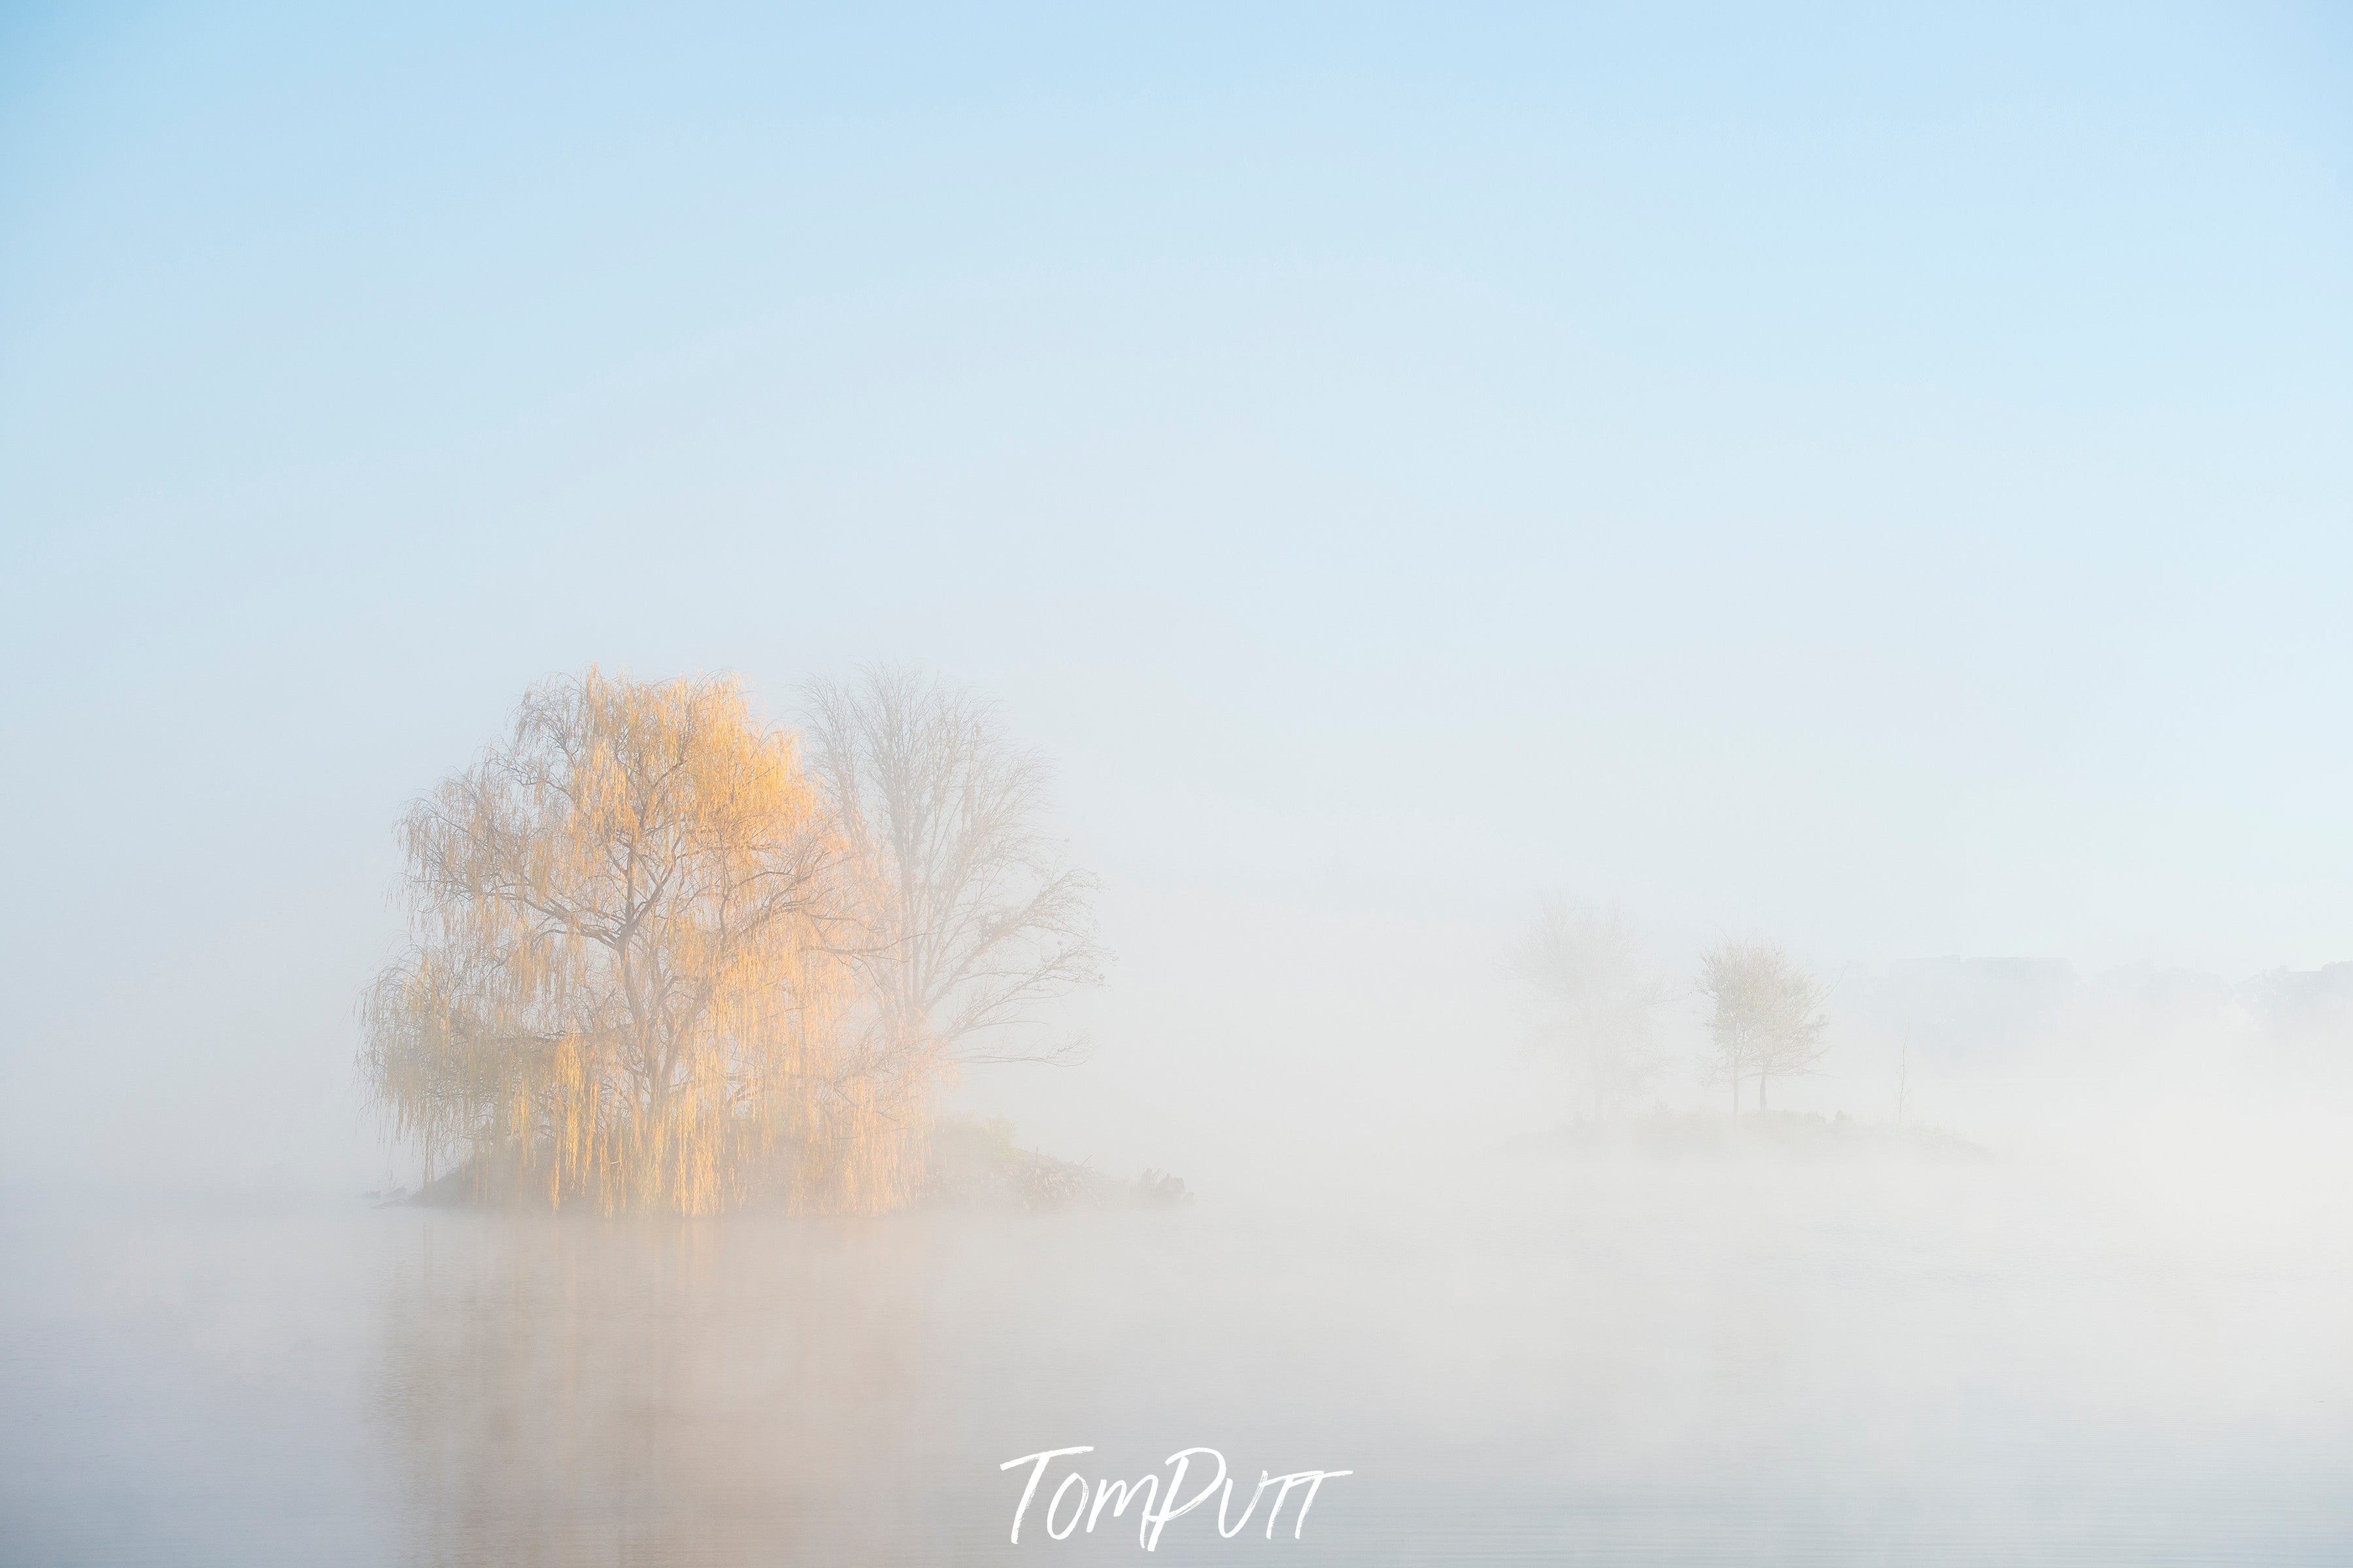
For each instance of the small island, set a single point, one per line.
(667, 956)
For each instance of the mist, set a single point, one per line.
(1572, 778)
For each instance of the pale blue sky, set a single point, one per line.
(1883, 481)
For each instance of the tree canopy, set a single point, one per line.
(1765, 1015)
(974, 921)
(630, 979)
(1591, 999)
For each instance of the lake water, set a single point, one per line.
(1728, 1363)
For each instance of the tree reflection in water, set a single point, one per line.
(665, 1392)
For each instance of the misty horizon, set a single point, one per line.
(1579, 764)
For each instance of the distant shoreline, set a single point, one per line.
(1797, 1134)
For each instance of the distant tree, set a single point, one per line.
(623, 985)
(1590, 999)
(1765, 1016)
(973, 922)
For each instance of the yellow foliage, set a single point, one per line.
(629, 983)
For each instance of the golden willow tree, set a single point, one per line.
(632, 978)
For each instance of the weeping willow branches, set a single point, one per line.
(631, 980)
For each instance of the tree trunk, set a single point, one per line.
(1762, 1079)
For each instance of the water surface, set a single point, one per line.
(1593, 1362)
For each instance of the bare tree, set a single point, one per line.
(622, 983)
(1590, 998)
(1765, 1015)
(975, 924)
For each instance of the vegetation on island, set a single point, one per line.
(1593, 1004)
(666, 955)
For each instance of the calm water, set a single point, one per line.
(1619, 1364)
